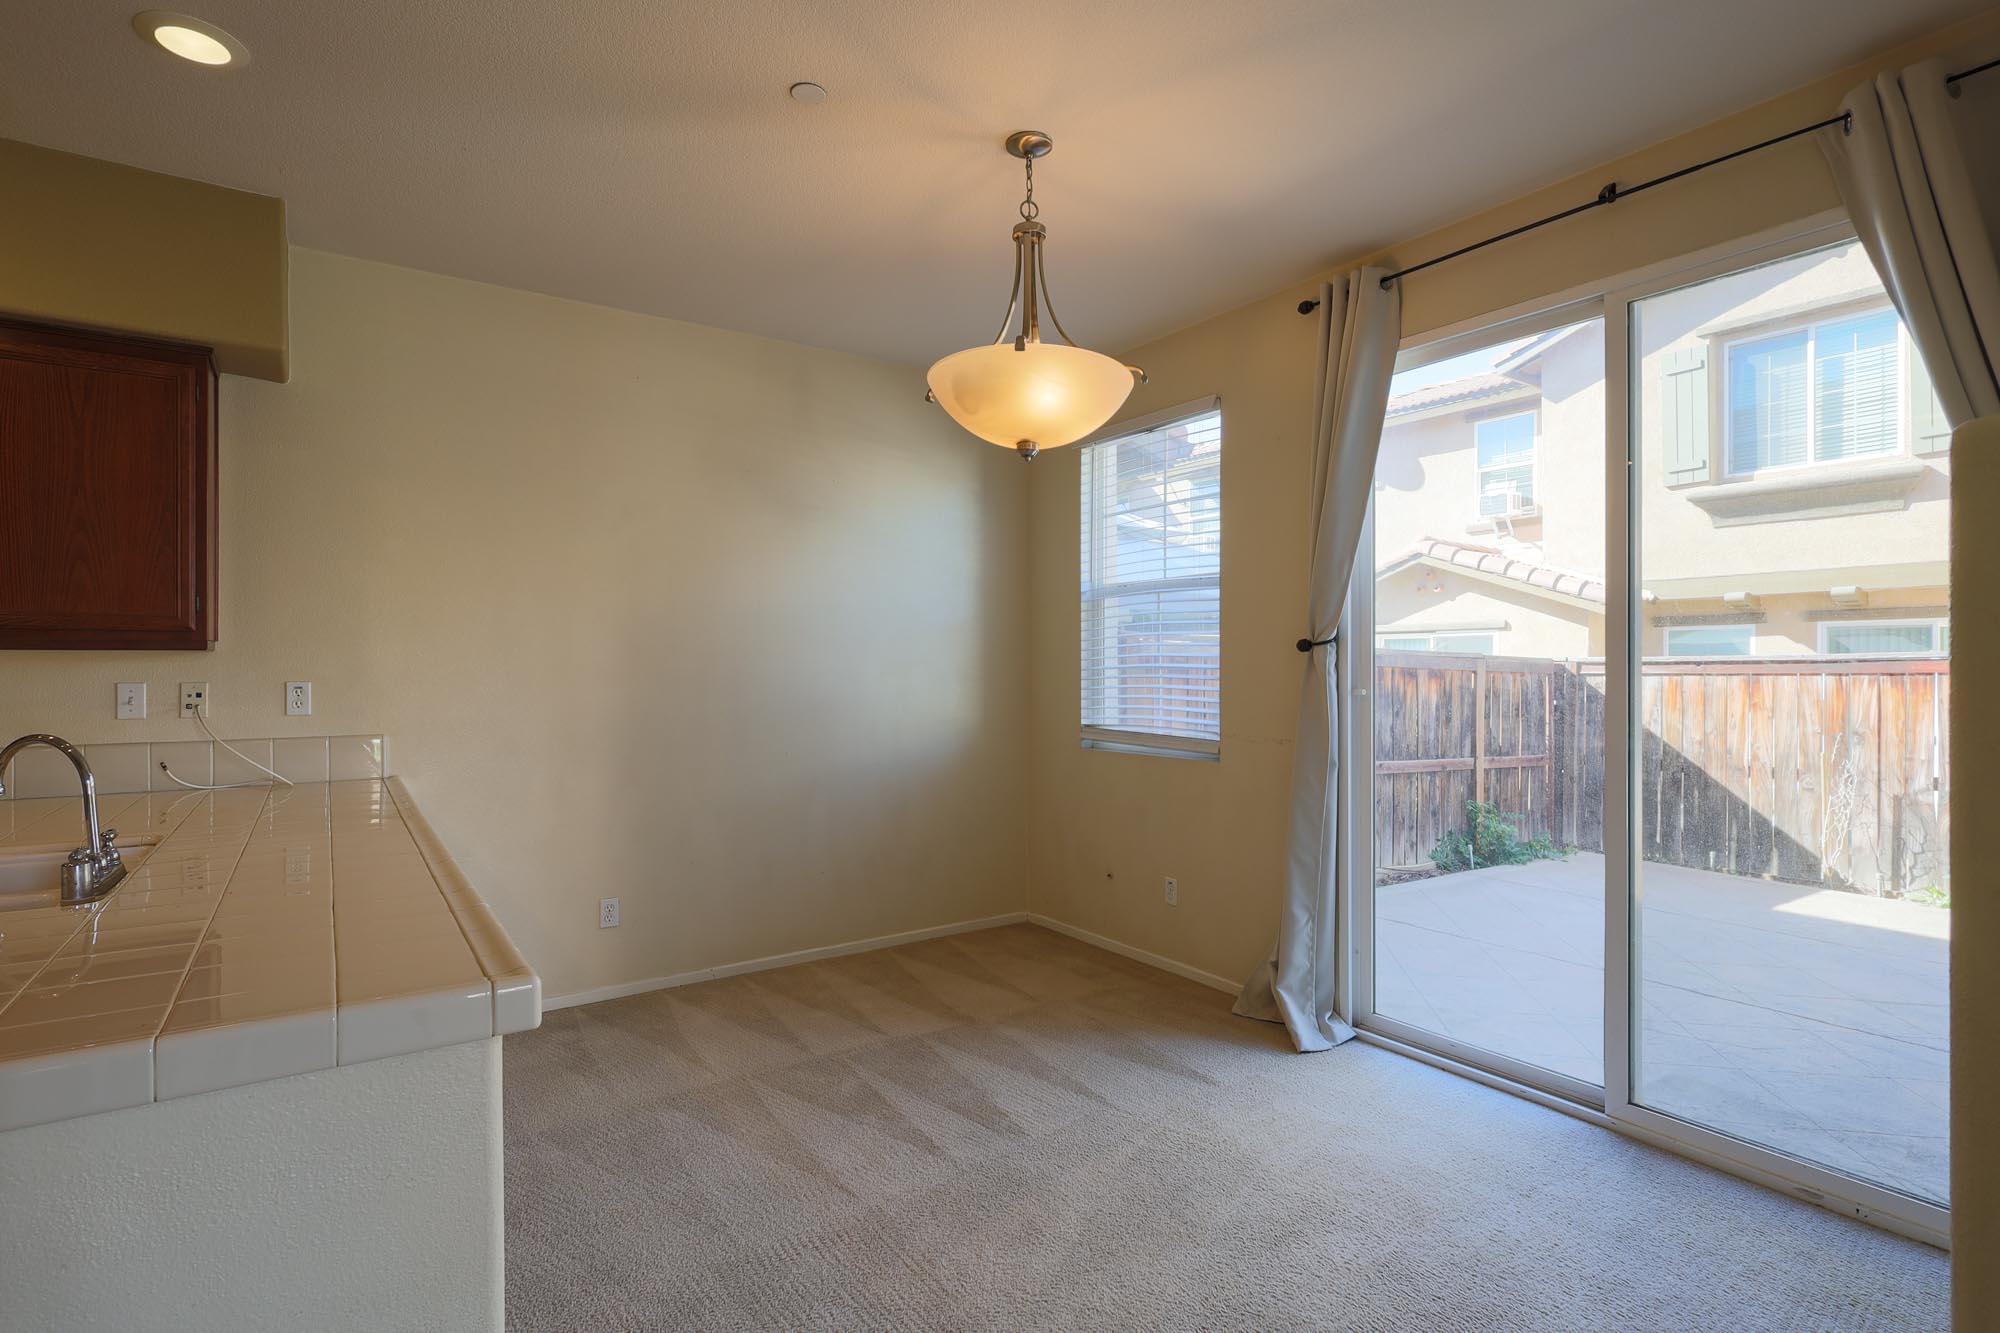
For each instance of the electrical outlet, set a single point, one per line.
(607, 913)
(298, 698)
(1173, 891)
(131, 699)
(194, 698)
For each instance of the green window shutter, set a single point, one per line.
(1684, 415)
(1930, 433)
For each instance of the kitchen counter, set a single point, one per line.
(263, 933)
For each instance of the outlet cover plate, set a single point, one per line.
(607, 913)
(298, 698)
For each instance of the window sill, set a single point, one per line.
(1140, 742)
(1810, 493)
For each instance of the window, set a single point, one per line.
(1480, 644)
(1506, 447)
(1152, 585)
(1710, 640)
(1821, 394)
(1884, 638)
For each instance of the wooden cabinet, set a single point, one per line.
(107, 491)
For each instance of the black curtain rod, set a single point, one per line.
(1611, 194)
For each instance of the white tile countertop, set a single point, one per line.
(261, 932)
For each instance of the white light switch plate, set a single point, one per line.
(131, 699)
(298, 698)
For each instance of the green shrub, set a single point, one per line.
(1494, 840)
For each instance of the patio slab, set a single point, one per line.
(1809, 1020)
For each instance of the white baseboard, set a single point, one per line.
(625, 988)
(1161, 961)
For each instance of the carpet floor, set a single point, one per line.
(1012, 1130)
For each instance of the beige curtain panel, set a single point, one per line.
(1360, 324)
(1919, 168)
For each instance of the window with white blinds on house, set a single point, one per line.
(1151, 580)
(1824, 394)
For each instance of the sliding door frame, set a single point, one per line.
(1611, 1105)
(1357, 666)
(1625, 866)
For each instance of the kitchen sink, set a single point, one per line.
(32, 876)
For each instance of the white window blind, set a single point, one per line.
(1819, 395)
(1152, 596)
(1885, 638)
(1711, 641)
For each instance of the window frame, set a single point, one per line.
(1479, 470)
(1833, 313)
(1094, 590)
(1667, 633)
(1939, 627)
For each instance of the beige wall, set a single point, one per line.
(113, 247)
(1522, 623)
(1975, 917)
(1106, 827)
(723, 626)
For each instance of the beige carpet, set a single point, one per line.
(1011, 1130)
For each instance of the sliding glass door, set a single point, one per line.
(1649, 681)
(1485, 588)
(1791, 902)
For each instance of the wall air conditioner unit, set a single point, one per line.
(1513, 505)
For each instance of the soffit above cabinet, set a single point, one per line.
(102, 246)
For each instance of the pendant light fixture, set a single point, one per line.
(1017, 390)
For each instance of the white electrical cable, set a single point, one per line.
(209, 786)
(201, 719)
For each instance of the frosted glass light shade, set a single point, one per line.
(1046, 393)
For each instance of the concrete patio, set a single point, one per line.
(1809, 1020)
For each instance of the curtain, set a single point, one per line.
(1911, 166)
(1359, 326)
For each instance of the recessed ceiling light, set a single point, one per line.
(811, 94)
(190, 38)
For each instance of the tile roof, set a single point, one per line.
(1486, 560)
(1470, 389)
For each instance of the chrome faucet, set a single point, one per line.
(95, 868)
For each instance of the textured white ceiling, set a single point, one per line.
(644, 154)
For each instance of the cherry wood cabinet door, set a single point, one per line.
(107, 491)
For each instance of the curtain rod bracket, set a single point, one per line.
(1307, 307)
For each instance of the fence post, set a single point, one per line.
(1479, 730)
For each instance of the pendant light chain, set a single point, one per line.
(1030, 210)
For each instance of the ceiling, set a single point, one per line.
(644, 153)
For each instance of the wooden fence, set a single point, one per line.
(1810, 770)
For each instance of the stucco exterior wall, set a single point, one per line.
(1523, 625)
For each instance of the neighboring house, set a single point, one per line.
(1794, 475)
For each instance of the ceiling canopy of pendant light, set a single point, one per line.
(1019, 391)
